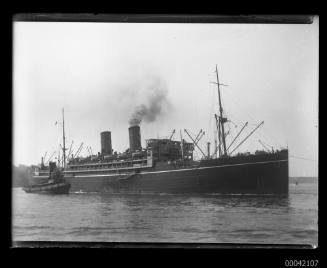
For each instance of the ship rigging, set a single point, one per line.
(221, 120)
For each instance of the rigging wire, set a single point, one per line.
(196, 110)
(231, 134)
(276, 141)
(195, 148)
(303, 158)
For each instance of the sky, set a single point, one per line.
(101, 73)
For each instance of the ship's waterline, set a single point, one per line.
(264, 177)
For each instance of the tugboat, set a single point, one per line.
(55, 184)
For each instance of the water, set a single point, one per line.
(168, 218)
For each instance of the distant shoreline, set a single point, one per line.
(303, 179)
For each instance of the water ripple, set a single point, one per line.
(168, 218)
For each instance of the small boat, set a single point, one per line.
(56, 184)
(51, 188)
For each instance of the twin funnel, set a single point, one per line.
(134, 140)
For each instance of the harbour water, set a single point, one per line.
(168, 218)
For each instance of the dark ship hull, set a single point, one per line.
(49, 188)
(253, 174)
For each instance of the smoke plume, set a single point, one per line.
(154, 102)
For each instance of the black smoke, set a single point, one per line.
(155, 101)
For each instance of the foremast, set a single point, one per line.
(63, 139)
(221, 121)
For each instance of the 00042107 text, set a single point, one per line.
(301, 263)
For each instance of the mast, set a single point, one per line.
(219, 136)
(182, 144)
(216, 144)
(63, 138)
(222, 120)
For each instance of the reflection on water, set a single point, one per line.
(168, 218)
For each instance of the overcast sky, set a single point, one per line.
(100, 72)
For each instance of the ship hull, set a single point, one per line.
(54, 188)
(255, 174)
(265, 177)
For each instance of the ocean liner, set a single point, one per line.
(167, 165)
